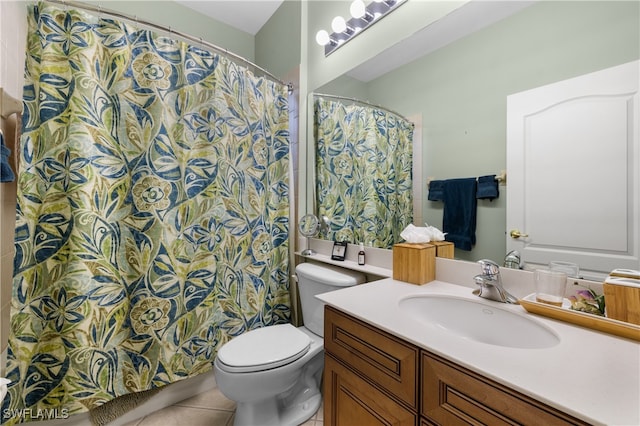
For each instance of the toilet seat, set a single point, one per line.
(263, 349)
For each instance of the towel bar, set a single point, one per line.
(502, 178)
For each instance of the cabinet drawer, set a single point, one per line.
(385, 360)
(452, 395)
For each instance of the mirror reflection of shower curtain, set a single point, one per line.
(153, 211)
(363, 172)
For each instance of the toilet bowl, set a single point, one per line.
(274, 373)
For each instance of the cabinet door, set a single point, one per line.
(454, 396)
(388, 362)
(350, 400)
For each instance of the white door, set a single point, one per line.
(573, 160)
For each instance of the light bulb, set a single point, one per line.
(322, 38)
(338, 24)
(357, 9)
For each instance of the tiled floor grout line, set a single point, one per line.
(210, 404)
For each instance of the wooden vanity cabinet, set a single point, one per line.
(370, 377)
(374, 378)
(453, 395)
(352, 400)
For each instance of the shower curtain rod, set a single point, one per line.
(346, 98)
(134, 19)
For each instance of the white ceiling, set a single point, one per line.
(246, 15)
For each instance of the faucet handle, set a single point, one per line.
(489, 267)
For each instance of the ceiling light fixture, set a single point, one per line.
(358, 9)
(362, 17)
(338, 25)
(323, 38)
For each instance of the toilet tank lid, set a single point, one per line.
(332, 275)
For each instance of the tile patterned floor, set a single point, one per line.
(207, 409)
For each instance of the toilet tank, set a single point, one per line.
(316, 279)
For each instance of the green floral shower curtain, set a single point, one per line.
(363, 172)
(153, 206)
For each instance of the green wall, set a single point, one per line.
(346, 86)
(278, 42)
(190, 22)
(461, 91)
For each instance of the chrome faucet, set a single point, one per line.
(490, 283)
(513, 260)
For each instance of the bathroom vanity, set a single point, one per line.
(384, 365)
(372, 377)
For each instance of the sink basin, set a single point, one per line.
(479, 321)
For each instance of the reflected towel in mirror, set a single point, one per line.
(487, 188)
(459, 216)
(436, 190)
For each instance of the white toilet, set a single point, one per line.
(274, 373)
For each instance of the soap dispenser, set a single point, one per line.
(361, 255)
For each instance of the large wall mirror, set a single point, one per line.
(363, 170)
(470, 62)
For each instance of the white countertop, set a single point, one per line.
(590, 375)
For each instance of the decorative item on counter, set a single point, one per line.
(625, 273)
(622, 296)
(617, 311)
(361, 255)
(414, 263)
(434, 233)
(428, 234)
(339, 250)
(583, 319)
(588, 301)
(414, 234)
(444, 249)
(550, 286)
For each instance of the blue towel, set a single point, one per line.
(487, 188)
(6, 174)
(459, 216)
(436, 190)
